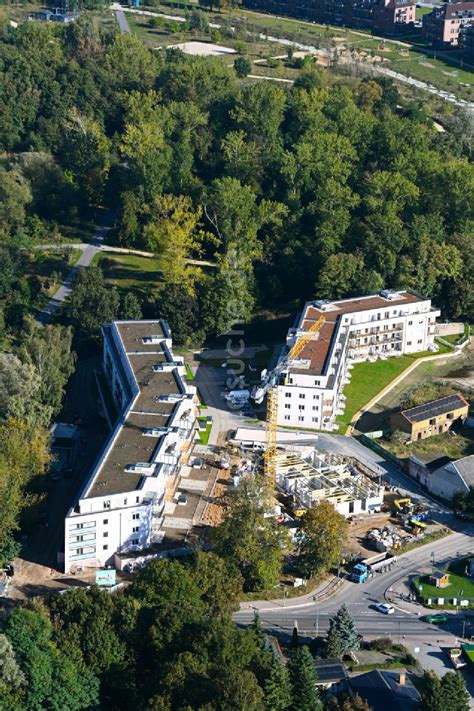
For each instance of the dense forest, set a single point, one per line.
(331, 188)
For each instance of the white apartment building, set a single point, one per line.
(384, 325)
(121, 507)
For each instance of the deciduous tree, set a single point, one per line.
(321, 538)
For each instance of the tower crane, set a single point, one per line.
(269, 387)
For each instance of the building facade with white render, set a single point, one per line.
(122, 505)
(384, 325)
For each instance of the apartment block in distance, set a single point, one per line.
(466, 41)
(444, 25)
(383, 16)
(121, 507)
(383, 325)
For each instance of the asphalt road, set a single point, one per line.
(313, 617)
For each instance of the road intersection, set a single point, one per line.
(313, 617)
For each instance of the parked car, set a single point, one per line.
(198, 463)
(385, 607)
(182, 500)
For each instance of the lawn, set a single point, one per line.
(460, 587)
(205, 434)
(420, 11)
(368, 379)
(129, 272)
(189, 373)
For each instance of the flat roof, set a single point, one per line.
(363, 303)
(132, 334)
(149, 410)
(442, 406)
(318, 349)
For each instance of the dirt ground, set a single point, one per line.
(358, 528)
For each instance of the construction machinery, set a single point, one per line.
(269, 387)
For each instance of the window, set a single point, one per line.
(135, 529)
(125, 502)
(135, 517)
(420, 340)
(315, 397)
(315, 407)
(79, 551)
(387, 314)
(302, 396)
(287, 417)
(410, 323)
(287, 406)
(301, 408)
(317, 383)
(290, 380)
(137, 500)
(287, 394)
(105, 548)
(315, 419)
(106, 534)
(106, 504)
(134, 541)
(105, 521)
(79, 538)
(301, 419)
(408, 343)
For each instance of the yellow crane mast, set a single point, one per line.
(272, 404)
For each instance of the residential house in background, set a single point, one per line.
(391, 16)
(332, 676)
(383, 325)
(123, 505)
(386, 690)
(431, 418)
(444, 478)
(443, 26)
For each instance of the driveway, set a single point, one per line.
(210, 382)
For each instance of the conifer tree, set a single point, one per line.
(303, 677)
(342, 636)
(277, 687)
(454, 692)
